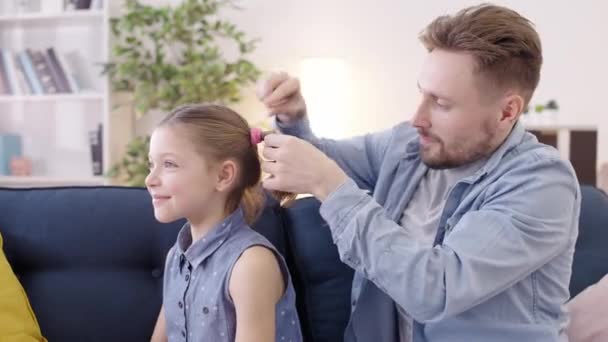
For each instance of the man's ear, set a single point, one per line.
(512, 106)
(226, 175)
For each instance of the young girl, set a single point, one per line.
(223, 281)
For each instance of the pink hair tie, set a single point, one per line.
(256, 136)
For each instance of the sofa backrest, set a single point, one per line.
(590, 262)
(91, 259)
(323, 283)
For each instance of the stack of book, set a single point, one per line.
(83, 4)
(18, 7)
(96, 145)
(35, 72)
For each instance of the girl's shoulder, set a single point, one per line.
(245, 237)
(256, 273)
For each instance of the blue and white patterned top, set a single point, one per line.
(196, 299)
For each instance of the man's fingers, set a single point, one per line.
(269, 167)
(270, 153)
(287, 108)
(281, 108)
(272, 183)
(282, 92)
(278, 103)
(267, 86)
(276, 140)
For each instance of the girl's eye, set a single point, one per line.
(169, 164)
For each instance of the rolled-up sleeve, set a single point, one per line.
(359, 157)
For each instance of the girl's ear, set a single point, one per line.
(226, 175)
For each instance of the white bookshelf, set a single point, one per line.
(42, 19)
(52, 98)
(562, 132)
(34, 181)
(54, 127)
(559, 127)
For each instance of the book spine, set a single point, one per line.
(11, 70)
(61, 69)
(10, 146)
(30, 74)
(58, 79)
(43, 73)
(96, 145)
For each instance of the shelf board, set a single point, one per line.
(51, 98)
(76, 17)
(559, 126)
(41, 181)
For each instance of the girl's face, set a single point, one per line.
(181, 182)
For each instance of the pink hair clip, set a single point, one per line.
(256, 135)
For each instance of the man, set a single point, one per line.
(459, 224)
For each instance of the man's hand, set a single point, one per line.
(282, 96)
(296, 166)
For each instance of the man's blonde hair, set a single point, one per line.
(504, 44)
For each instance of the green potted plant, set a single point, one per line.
(167, 56)
(541, 113)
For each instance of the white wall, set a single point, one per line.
(378, 41)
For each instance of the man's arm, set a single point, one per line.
(360, 157)
(521, 226)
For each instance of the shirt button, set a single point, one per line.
(180, 304)
(183, 333)
(205, 310)
(354, 302)
(157, 273)
(187, 277)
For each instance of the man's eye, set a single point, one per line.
(441, 104)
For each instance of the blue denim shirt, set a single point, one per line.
(503, 268)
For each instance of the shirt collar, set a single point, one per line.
(195, 253)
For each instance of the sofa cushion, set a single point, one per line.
(91, 259)
(323, 283)
(590, 262)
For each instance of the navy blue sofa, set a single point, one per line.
(91, 259)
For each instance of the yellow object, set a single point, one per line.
(17, 320)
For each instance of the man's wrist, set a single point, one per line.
(330, 183)
(288, 120)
